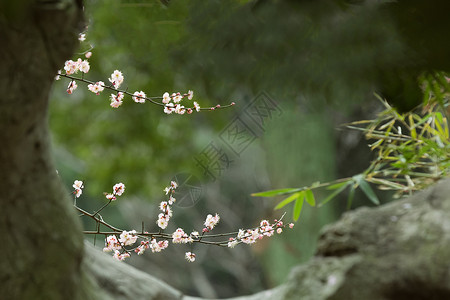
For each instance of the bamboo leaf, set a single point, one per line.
(338, 185)
(298, 208)
(351, 195)
(365, 187)
(439, 127)
(335, 193)
(309, 196)
(289, 199)
(272, 193)
(391, 184)
(388, 183)
(412, 127)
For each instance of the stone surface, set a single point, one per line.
(396, 251)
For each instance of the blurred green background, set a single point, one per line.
(319, 61)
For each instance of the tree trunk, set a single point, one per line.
(43, 244)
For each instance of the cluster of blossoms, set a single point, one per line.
(250, 236)
(112, 243)
(172, 103)
(121, 243)
(181, 237)
(210, 222)
(166, 206)
(153, 245)
(118, 190)
(77, 185)
(126, 238)
(72, 67)
(97, 87)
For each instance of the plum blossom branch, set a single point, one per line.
(170, 102)
(121, 241)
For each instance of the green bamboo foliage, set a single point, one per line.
(412, 151)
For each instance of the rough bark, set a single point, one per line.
(42, 251)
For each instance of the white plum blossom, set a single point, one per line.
(78, 193)
(128, 237)
(251, 236)
(83, 66)
(166, 98)
(70, 67)
(116, 78)
(190, 257)
(118, 189)
(116, 100)
(173, 186)
(179, 109)
(168, 108)
(112, 244)
(162, 221)
(176, 97)
(142, 247)
(190, 95)
(232, 243)
(171, 200)
(140, 250)
(265, 228)
(196, 106)
(78, 186)
(211, 221)
(97, 87)
(110, 196)
(179, 236)
(163, 205)
(158, 246)
(82, 37)
(119, 256)
(139, 97)
(71, 87)
(58, 77)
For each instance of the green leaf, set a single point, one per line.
(336, 192)
(272, 193)
(289, 199)
(338, 185)
(387, 183)
(309, 196)
(365, 187)
(351, 195)
(412, 126)
(298, 208)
